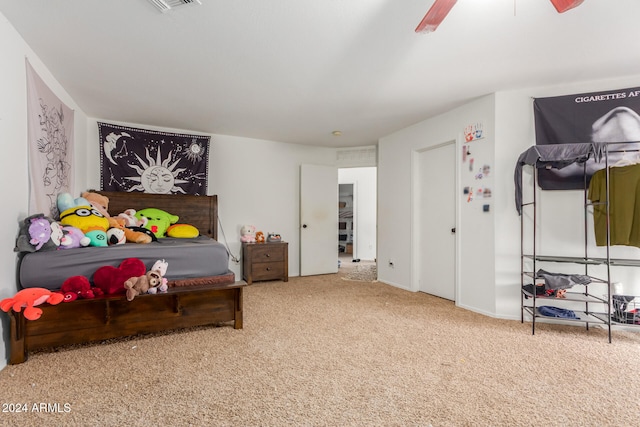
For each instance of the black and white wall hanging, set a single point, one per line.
(149, 161)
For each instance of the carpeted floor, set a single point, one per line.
(364, 271)
(323, 351)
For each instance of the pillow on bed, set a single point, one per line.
(182, 231)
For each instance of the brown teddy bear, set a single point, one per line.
(141, 284)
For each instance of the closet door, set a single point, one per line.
(435, 220)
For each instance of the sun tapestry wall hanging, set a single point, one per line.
(149, 161)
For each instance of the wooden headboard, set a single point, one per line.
(199, 211)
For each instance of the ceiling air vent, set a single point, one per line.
(357, 156)
(167, 5)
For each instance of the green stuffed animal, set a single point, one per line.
(157, 220)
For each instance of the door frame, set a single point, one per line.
(415, 244)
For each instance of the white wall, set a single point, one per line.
(475, 239)
(14, 159)
(561, 225)
(257, 182)
(365, 189)
(489, 254)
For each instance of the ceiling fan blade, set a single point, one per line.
(564, 5)
(438, 11)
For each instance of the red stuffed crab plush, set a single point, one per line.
(28, 299)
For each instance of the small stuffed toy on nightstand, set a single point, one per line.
(248, 234)
(260, 237)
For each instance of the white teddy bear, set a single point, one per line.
(248, 234)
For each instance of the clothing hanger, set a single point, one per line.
(624, 161)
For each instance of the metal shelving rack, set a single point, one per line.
(587, 316)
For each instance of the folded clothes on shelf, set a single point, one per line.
(562, 281)
(551, 311)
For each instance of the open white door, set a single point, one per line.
(318, 220)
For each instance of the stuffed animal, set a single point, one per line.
(28, 299)
(248, 234)
(274, 237)
(157, 220)
(129, 216)
(97, 201)
(66, 201)
(38, 233)
(141, 284)
(185, 231)
(90, 221)
(111, 279)
(116, 236)
(130, 235)
(73, 237)
(101, 204)
(161, 267)
(260, 237)
(78, 287)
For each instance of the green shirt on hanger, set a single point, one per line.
(624, 205)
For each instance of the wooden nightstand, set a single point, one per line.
(265, 261)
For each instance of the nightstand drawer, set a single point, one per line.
(268, 270)
(268, 252)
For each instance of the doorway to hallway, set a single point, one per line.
(357, 214)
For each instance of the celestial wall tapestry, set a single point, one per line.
(610, 116)
(149, 161)
(50, 140)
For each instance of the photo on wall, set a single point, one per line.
(609, 116)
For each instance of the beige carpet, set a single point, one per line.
(365, 271)
(323, 351)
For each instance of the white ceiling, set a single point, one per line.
(296, 70)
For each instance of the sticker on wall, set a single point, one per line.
(486, 193)
(470, 165)
(465, 152)
(473, 132)
(486, 169)
(470, 195)
(466, 190)
(485, 208)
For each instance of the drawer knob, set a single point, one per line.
(268, 255)
(268, 268)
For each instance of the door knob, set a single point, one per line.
(453, 230)
(304, 225)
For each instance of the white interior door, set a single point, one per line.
(435, 220)
(318, 220)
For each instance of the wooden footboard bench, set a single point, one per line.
(213, 300)
(91, 320)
